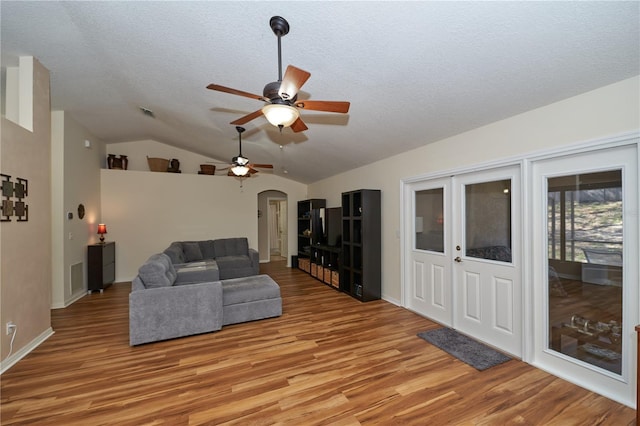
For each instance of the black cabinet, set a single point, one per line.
(305, 230)
(101, 266)
(360, 274)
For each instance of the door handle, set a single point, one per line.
(457, 259)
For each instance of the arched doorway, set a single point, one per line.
(272, 226)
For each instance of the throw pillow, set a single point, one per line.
(207, 249)
(174, 251)
(192, 251)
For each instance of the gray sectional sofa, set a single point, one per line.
(170, 300)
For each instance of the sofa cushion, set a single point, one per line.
(174, 251)
(205, 271)
(249, 289)
(154, 274)
(231, 247)
(233, 262)
(208, 250)
(191, 251)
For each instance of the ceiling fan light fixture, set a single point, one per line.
(280, 115)
(240, 160)
(239, 170)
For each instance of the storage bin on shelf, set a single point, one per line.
(335, 279)
(304, 264)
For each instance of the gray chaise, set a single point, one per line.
(166, 302)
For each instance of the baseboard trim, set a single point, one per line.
(25, 350)
(69, 301)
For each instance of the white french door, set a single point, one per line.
(486, 267)
(430, 292)
(464, 266)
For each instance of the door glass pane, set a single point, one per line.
(429, 220)
(488, 220)
(585, 267)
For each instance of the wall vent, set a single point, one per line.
(77, 277)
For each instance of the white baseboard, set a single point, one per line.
(25, 350)
(69, 301)
(392, 300)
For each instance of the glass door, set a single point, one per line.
(585, 269)
(585, 246)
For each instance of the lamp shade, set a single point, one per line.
(240, 170)
(102, 229)
(280, 115)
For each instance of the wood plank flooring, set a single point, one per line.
(328, 360)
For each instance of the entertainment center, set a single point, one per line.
(341, 246)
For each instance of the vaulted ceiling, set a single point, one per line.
(414, 72)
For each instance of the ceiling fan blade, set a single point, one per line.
(299, 126)
(328, 106)
(234, 92)
(247, 118)
(262, 166)
(292, 81)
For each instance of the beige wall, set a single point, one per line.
(601, 113)
(25, 247)
(138, 151)
(75, 177)
(145, 211)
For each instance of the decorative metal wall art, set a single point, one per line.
(13, 195)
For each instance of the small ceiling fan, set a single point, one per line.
(240, 166)
(281, 96)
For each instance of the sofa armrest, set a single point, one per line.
(255, 260)
(169, 312)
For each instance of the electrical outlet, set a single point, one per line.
(10, 327)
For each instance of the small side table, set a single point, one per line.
(101, 266)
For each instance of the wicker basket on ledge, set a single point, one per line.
(158, 164)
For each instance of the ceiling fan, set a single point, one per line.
(281, 96)
(240, 166)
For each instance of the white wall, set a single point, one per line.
(601, 113)
(75, 177)
(146, 211)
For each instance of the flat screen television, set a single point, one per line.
(317, 226)
(333, 226)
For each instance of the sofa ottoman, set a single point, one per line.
(250, 298)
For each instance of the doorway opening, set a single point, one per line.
(273, 226)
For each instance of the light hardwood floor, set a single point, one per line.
(328, 359)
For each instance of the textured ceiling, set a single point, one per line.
(414, 72)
